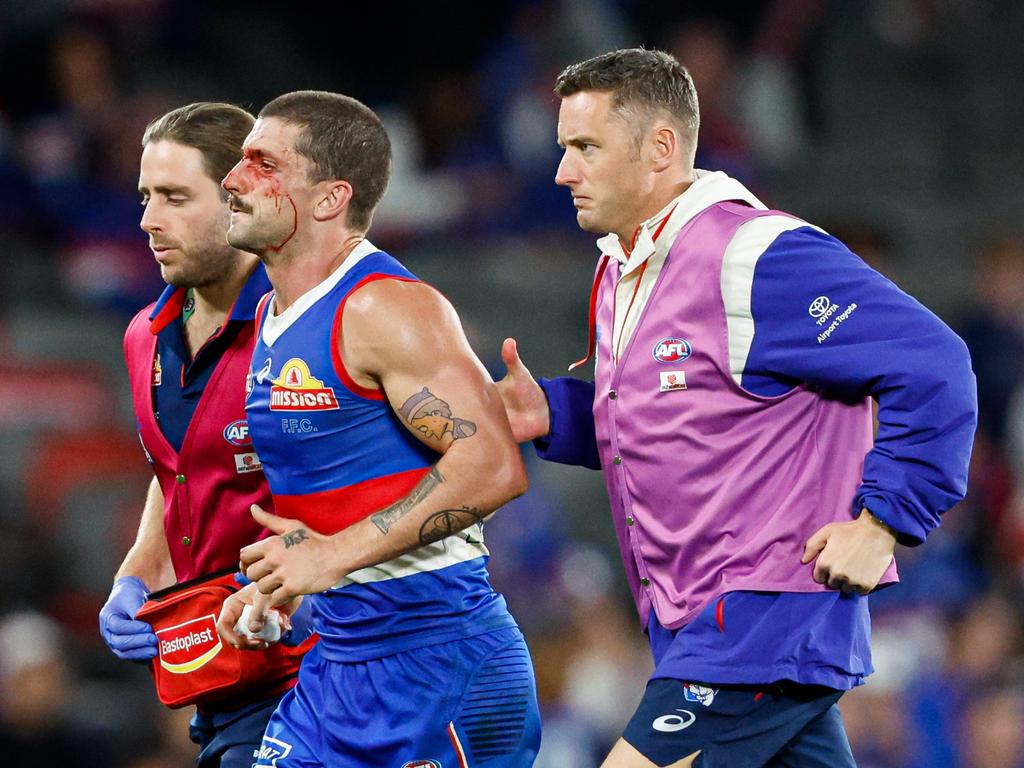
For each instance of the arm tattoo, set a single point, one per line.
(442, 524)
(388, 516)
(292, 538)
(432, 416)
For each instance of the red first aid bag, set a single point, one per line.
(194, 665)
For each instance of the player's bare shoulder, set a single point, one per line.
(399, 299)
(386, 320)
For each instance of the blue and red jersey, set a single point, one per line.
(334, 453)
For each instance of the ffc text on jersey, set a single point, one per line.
(296, 389)
(672, 350)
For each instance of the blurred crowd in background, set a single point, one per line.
(894, 124)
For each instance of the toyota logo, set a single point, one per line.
(819, 306)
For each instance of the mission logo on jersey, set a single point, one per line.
(296, 389)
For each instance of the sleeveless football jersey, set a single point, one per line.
(334, 453)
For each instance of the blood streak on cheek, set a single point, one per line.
(274, 192)
(295, 222)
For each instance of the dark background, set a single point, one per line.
(894, 124)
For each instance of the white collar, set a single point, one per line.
(275, 324)
(709, 187)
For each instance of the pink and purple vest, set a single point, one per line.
(712, 488)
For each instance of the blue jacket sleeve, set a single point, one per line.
(572, 439)
(822, 317)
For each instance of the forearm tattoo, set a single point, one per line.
(432, 416)
(292, 538)
(443, 524)
(388, 516)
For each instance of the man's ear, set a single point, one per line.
(664, 146)
(334, 201)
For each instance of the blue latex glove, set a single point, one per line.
(128, 639)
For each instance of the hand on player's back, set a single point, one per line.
(524, 400)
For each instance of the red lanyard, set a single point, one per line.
(591, 330)
(592, 319)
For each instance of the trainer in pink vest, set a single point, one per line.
(712, 488)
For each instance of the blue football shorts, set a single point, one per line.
(781, 725)
(463, 704)
(231, 739)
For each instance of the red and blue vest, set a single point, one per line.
(210, 484)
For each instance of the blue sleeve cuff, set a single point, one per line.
(572, 438)
(911, 529)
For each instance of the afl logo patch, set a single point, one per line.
(672, 350)
(237, 433)
(422, 764)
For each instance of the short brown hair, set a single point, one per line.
(216, 129)
(344, 140)
(641, 82)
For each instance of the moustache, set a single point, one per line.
(234, 204)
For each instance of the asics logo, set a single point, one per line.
(672, 723)
(264, 372)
